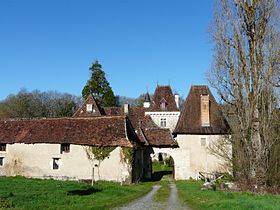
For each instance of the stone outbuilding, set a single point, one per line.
(61, 148)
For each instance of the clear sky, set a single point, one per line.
(50, 44)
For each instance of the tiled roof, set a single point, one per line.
(147, 131)
(114, 111)
(190, 118)
(98, 131)
(136, 115)
(95, 112)
(159, 137)
(154, 135)
(163, 94)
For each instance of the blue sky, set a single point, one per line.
(50, 44)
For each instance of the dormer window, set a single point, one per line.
(163, 104)
(89, 107)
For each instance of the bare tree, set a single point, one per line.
(245, 73)
(38, 104)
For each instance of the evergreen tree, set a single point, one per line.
(99, 87)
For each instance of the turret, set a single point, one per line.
(147, 101)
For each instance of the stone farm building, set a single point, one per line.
(62, 148)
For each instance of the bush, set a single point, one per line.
(169, 161)
(5, 204)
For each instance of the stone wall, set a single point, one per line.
(171, 118)
(36, 160)
(193, 156)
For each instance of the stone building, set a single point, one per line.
(60, 148)
(163, 108)
(201, 123)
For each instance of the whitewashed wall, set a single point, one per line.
(36, 160)
(171, 118)
(191, 157)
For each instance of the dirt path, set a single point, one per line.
(173, 201)
(147, 202)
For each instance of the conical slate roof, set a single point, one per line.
(147, 98)
(190, 118)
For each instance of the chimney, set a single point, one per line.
(126, 109)
(177, 100)
(205, 111)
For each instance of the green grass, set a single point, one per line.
(159, 166)
(161, 171)
(163, 193)
(23, 193)
(191, 195)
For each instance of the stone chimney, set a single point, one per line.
(205, 110)
(126, 109)
(177, 100)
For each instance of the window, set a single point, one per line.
(3, 147)
(56, 163)
(64, 148)
(89, 107)
(203, 142)
(1, 161)
(163, 122)
(163, 104)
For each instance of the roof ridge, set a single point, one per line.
(64, 118)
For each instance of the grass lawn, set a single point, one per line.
(23, 193)
(161, 171)
(190, 194)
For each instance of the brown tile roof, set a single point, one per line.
(163, 94)
(114, 111)
(147, 131)
(99, 131)
(159, 137)
(154, 135)
(190, 118)
(96, 109)
(135, 114)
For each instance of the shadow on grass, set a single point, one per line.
(82, 192)
(157, 176)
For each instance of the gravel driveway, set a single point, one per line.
(147, 202)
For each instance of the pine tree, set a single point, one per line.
(99, 87)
